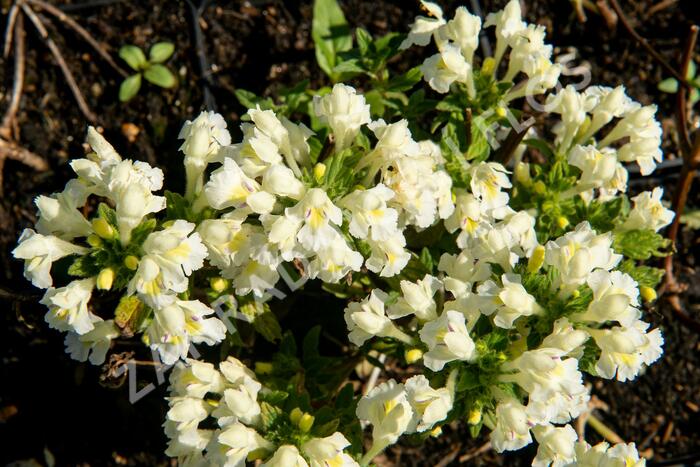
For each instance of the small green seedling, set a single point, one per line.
(670, 85)
(150, 68)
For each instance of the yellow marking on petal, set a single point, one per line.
(182, 251)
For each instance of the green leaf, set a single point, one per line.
(267, 325)
(160, 76)
(646, 276)
(130, 87)
(143, 230)
(108, 214)
(310, 345)
(269, 415)
(669, 85)
(133, 56)
(691, 70)
(176, 206)
(405, 81)
(160, 52)
(250, 100)
(348, 69)
(427, 259)
(364, 40)
(640, 244)
(331, 34)
(83, 266)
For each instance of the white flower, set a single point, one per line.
(578, 253)
(239, 403)
(624, 350)
(182, 426)
(386, 407)
(367, 319)
(286, 456)
(134, 202)
(605, 104)
(463, 30)
(253, 276)
(508, 23)
(551, 381)
(571, 106)
(318, 216)
(487, 180)
(370, 214)
(68, 306)
(556, 445)
(648, 212)
(170, 257)
(447, 67)
(423, 28)
(615, 298)
(389, 256)
(280, 180)
(448, 340)
(195, 378)
(462, 271)
(512, 430)
(644, 133)
(467, 216)
(334, 260)
(507, 303)
(328, 451)
(58, 215)
(527, 47)
(288, 138)
(39, 252)
(564, 337)
(203, 136)
(93, 344)
(229, 186)
(602, 455)
(179, 323)
(231, 446)
(597, 167)
(394, 141)
(430, 406)
(417, 299)
(344, 111)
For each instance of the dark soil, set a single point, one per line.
(52, 406)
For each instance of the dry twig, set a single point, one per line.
(55, 51)
(81, 31)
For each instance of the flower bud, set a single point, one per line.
(562, 222)
(437, 431)
(474, 416)
(94, 241)
(218, 284)
(319, 171)
(263, 368)
(413, 355)
(501, 111)
(540, 187)
(522, 173)
(488, 66)
(306, 422)
(536, 260)
(102, 228)
(647, 293)
(131, 262)
(105, 279)
(295, 415)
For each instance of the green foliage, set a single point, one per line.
(641, 244)
(331, 35)
(150, 68)
(646, 276)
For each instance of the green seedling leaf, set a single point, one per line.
(669, 85)
(130, 87)
(161, 51)
(160, 76)
(133, 56)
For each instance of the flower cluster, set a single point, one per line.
(244, 426)
(503, 276)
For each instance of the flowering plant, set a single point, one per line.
(497, 262)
